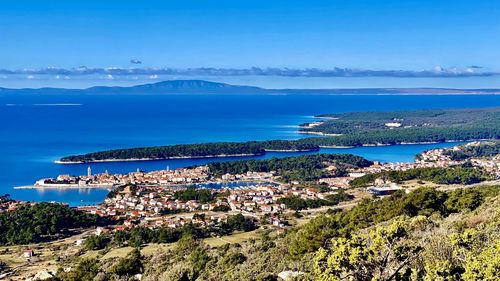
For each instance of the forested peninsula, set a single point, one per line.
(338, 130)
(203, 150)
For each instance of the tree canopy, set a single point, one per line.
(41, 222)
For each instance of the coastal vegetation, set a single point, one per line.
(5, 198)
(252, 148)
(415, 126)
(341, 130)
(424, 235)
(454, 175)
(410, 135)
(43, 222)
(359, 138)
(353, 122)
(299, 168)
(485, 149)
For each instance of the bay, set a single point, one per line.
(35, 130)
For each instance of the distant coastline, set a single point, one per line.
(346, 130)
(318, 133)
(208, 87)
(252, 155)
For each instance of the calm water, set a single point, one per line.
(270, 82)
(36, 130)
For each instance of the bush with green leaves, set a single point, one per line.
(42, 222)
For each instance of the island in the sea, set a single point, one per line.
(209, 87)
(336, 130)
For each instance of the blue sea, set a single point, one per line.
(37, 129)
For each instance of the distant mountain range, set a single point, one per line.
(207, 87)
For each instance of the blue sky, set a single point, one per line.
(357, 34)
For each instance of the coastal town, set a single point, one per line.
(160, 177)
(155, 199)
(249, 140)
(175, 200)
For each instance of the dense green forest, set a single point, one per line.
(353, 122)
(194, 150)
(300, 168)
(424, 235)
(359, 128)
(455, 175)
(42, 222)
(411, 135)
(485, 149)
(356, 129)
(372, 137)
